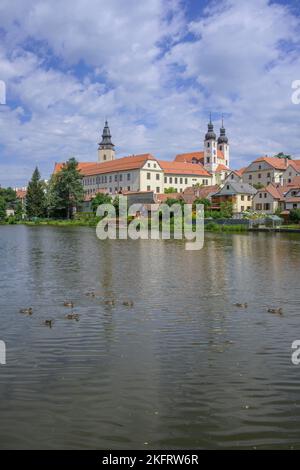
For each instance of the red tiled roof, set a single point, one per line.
(161, 197)
(274, 191)
(192, 193)
(21, 193)
(222, 168)
(119, 164)
(188, 157)
(295, 164)
(182, 168)
(240, 172)
(292, 199)
(277, 163)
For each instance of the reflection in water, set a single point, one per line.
(182, 368)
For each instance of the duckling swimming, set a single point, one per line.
(109, 302)
(277, 311)
(90, 294)
(72, 316)
(26, 311)
(128, 303)
(68, 304)
(48, 323)
(245, 305)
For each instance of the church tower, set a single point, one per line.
(223, 145)
(210, 149)
(106, 149)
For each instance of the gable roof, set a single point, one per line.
(275, 191)
(222, 168)
(295, 164)
(276, 163)
(236, 188)
(182, 168)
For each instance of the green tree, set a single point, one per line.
(170, 190)
(283, 155)
(2, 208)
(35, 197)
(226, 210)
(258, 186)
(65, 191)
(99, 199)
(202, 200)
(170, 201)
(295, 216)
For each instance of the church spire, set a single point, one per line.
(223, 139)
(106, 149)
(106, 142)
(210, 135)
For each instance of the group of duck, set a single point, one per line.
(275, 311)
(72, 315)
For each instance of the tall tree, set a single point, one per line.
(35, 198)
(2, 208)
(65, 190)
(283, 155)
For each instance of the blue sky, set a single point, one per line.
(155, 69)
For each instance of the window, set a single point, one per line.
(165, 179)
(208, 145)
(269, 175)
(228, 187)
(265, 195)
(242, 208)
(128, 188)
(105, 179)
(294, 206)
(249, 198)
(110, 190)
(250, 177)
(104, 157)
(260, 195)
(221, 148)
(148, 176)
(186, 181)
(116, 189)
(170, 179)
(157, 189)
(267, 207)
(157, 176)
(232, 176)
(148, 165)
(110, 178)
(128, 176)
(259, 175)
(258, 207)
(148, 188)
(181, 180)
(116, 177)
(176, 180)
(259, 167)
(242, 197)
(154, 165)
(208, 160)
(120, 177)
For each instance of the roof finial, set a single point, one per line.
(222, 120)
(210, 117)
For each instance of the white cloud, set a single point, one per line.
(155, 86)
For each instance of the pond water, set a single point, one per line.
(182, 368)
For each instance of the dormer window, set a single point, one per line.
(208, 144)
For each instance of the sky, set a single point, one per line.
(154, 69)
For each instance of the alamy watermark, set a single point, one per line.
(152, 221)
(296, 352)
(2, 92)
(296, 93)
(2, 353)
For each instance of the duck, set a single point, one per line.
(109, 302)
(48, 323)
(72, 316)
(90, 294)
(26, 311)
(278, 311)
(245, 305)
(68, 304)
(128, 303)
